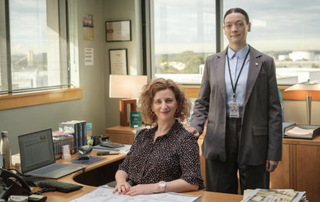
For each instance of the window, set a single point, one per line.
(183, 36)
(288, 31)
(34, 49)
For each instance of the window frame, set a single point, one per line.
(6, 75)
(36, 96)
(219, 47)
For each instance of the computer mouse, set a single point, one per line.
(83, 157)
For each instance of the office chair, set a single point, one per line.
(137, 132)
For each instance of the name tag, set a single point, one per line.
(234, 110)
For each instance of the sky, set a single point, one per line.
(190, 25)
(28, 26)
(276, 24)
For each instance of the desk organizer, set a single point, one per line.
(311, 131)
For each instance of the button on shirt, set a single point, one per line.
(236, 60)
(172, 156)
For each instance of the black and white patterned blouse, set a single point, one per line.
(172, 156)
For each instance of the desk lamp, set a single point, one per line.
(126, 86)
(306, 86)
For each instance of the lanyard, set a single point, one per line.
(235, 87)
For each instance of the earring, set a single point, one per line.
(176, 114)
(153, 116)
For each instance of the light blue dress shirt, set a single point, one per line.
(236, 60)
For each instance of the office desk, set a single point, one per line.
(298, 169)
(103, 171)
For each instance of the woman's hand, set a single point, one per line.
(122, 188)
(143, 189)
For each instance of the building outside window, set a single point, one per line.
(37, 45)
(184, 35)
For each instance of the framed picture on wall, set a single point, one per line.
(118, 60)
(118, 30)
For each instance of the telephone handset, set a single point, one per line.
(10, 187)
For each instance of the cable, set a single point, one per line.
(44, 190)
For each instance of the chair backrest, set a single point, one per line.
(281, 102)
(137, 132)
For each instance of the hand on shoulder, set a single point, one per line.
(193, 131)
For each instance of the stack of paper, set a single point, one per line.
(123, 149)
(288, 195)
(299, 131)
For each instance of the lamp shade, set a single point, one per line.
(305, 86)
(126, 86)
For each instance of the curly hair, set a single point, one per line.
(147, 95)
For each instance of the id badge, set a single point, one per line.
(234, 110)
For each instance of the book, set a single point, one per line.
(135, 119)
(82, 125)
(89, 133)
(73, 128)
(61, 138)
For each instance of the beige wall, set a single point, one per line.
(296, 112)
(121, 10)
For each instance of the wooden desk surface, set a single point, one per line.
(60, 197)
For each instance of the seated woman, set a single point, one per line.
(164, 158)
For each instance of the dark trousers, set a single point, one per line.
(222, 176)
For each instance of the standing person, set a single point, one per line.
(240, 99)
(164, 158)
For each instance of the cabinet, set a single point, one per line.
(298, 170)
(121, 134)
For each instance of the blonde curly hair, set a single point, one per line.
(148, 92)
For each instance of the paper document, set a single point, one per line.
(104, 193)
(300, 131)
(272, 195)
(124, 149)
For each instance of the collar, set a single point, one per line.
(241, 53)
(176, 126)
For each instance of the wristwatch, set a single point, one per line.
(162, 185)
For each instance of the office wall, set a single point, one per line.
(92, 77)
(296, 112)
(114, 10)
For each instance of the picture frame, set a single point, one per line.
(118, 61)
(118, 30)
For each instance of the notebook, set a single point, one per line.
(37, 156)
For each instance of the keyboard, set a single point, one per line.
(46, 183)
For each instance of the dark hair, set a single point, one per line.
(237, 10)
(150, 89)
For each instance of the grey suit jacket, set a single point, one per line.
(261, 132)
